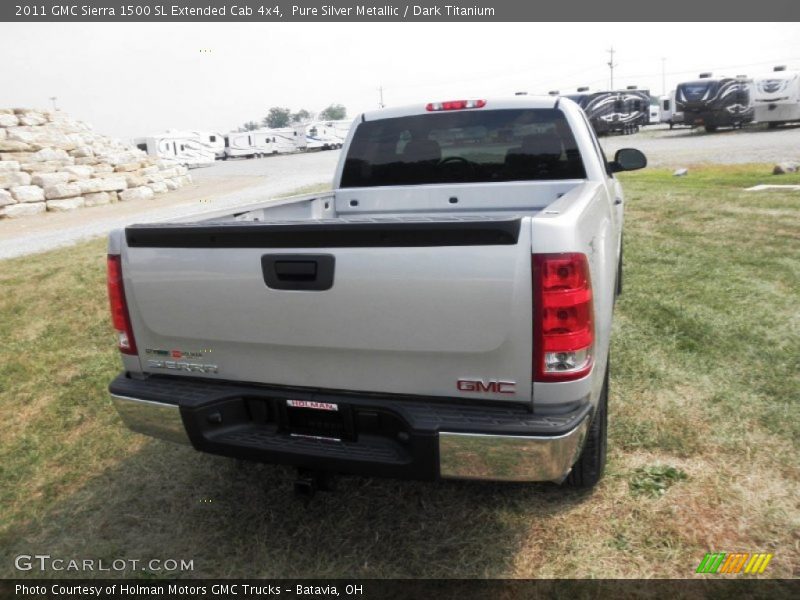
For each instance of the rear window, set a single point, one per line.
(471, 146)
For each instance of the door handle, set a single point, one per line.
(307, 272)
(618, 201)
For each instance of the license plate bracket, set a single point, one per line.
(319, 420)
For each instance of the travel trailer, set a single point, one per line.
(327, 135)
(777, 97)
(655, 114)
(248, 144)
(668, 113)
(715, 102)
(189, 148)
(214, 139)
(287, 139)
(621, 111)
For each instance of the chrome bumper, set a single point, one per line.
(461, 455)
(155, 419)
(508, 457)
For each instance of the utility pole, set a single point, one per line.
(53, 100)
(380, 102)
(611, 65)
(663, 77)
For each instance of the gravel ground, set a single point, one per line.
(228, 184)
(682, 146)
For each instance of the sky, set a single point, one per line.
(134, 79)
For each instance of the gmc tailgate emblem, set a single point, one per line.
(491, 387)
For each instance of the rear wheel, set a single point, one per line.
(711, 128)
(590, 466)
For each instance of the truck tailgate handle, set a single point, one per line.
(307, 272)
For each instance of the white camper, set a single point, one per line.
(287, 139)
(777, 97)
(187, 147)
(215, 140)
(655, 114)
(327, 135)
(668, 113)
(249, 144)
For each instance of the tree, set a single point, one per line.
(249, 126)
(277, 117)
(335, 112)
(301, 115)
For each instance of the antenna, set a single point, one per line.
(53, 100)
(611, 64)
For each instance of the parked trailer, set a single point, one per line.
(320, 135)
(215, 140)
(777, 97)
(248, 144)
(621, 111)
(669, 114)
(715, 102)
(189, 148)
(287, 139)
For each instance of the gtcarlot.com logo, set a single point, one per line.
(46, 562)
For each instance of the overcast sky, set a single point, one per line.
(133, 79)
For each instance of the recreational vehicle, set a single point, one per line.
(614, 111)
(715, 102)
(287, 139)
(777, 97)
(215, 140)
(668, 113)
(189, 148)
(327, 135)
(249, 144)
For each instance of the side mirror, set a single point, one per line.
(628, 159)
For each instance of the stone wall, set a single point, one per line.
(49, 162)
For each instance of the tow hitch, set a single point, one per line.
(309, 481)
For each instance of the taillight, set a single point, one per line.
(119, 308)
(455, 105)
(563, 331)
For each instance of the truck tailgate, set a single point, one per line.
(411, 306)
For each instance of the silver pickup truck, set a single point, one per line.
(444, 312)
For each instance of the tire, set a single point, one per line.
(710, 128)
(772, 125)
(592, 462)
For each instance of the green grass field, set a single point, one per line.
(704, 426)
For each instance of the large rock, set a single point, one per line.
(109, 184)
(32, 118)
(138, 193)
(7, 145)
(98, 198)
(135, 180)
(785, 167)
(62, 190)
(18, 157)
(171, 184)
(65, 204)
(9, 165)
(159, 187)
(8, 120)
(6, 198)
(46, 179)
(103, 168)
(28, 193)
(9, 179)
(79, 171)
(50, 166)
(23, 210)
(83, 152)
(50, 154)
(127, 167)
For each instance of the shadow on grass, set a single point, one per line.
(169, 501)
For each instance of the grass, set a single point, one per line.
(706, 357)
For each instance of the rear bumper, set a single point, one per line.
(400, 437)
